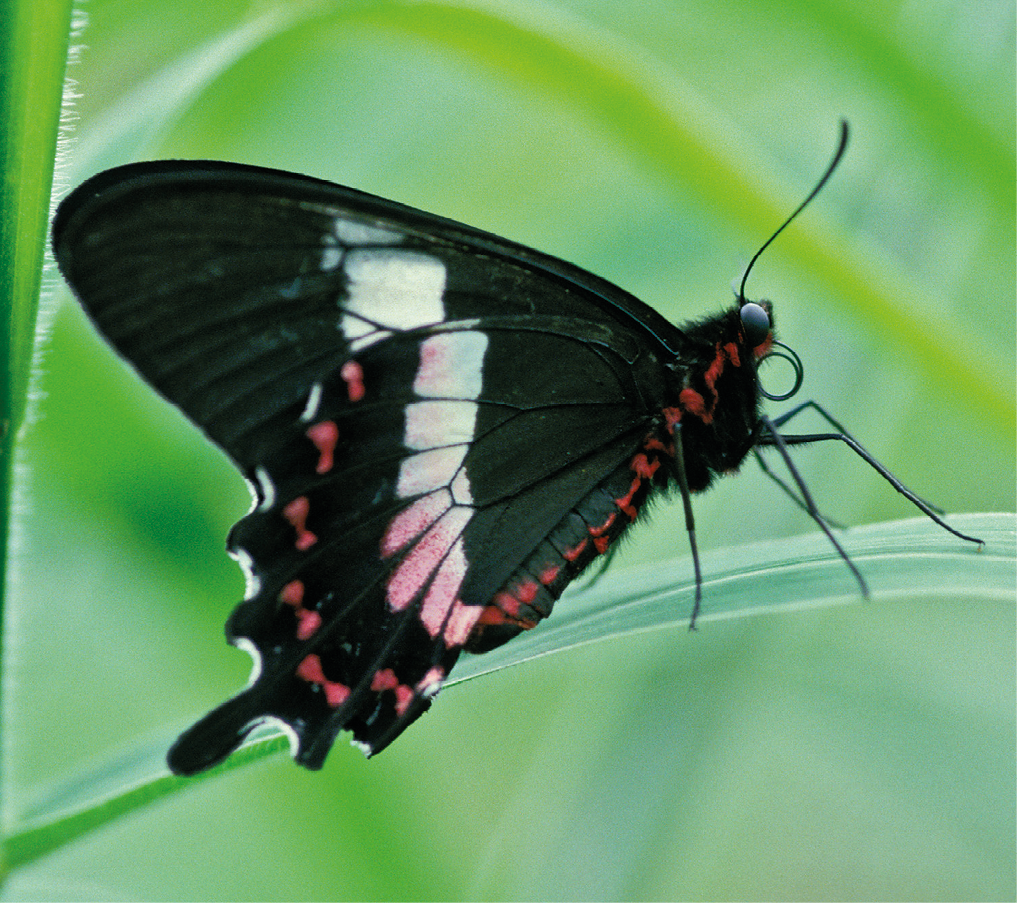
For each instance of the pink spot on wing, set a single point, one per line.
(431, 682)
(460, 622)
(307, 623)
(296, 513)
(410, 523)
(451, 365)
(411, 576)
(384, 679)
(324, 435)
(353, 375)
(293, 593)
(443, 591)
(437, 360)
(310, 670)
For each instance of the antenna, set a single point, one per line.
(841, 146)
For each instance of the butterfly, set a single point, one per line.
(441, 429)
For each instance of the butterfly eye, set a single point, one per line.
(755, 323)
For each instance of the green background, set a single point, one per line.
(849, 753)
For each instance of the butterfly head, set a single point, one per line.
(756, 332)
(757, 326)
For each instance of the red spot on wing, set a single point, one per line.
(353, 375)
(308, 621)
(574, 553)
(385, 679)
(550, 574)
(625, 502)
(604, 527)
(296, 513)
(324, 435)
(310, 670)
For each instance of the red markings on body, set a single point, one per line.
(527, 591)
(308, 621)
(385, 679)
(353, 375)
(642, 465)
(495, 615)
(671, 417)
(732, 354)
(296, 513)
(324, 435)
(506, 603)
(716, 367)
(604, 527)
(695, 404)
(761, 351)
(693, 401)
(310, 670)
(652, 443)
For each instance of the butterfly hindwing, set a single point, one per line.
(373, 561)
(440, 428)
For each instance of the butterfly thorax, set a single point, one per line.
(718, 401)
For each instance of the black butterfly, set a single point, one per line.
(441, 428)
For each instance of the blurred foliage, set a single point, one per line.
(849, 753)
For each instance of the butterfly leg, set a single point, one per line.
(772, 437)
(690, 521)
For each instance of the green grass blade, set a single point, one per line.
(903, 560)
(33, 57)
